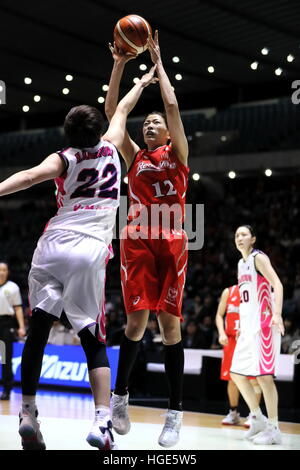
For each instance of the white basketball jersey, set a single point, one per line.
(88, 193)
(256, 304)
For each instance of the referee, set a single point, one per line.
(10, 305)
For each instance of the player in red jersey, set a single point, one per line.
(229, 305)
(153, 266)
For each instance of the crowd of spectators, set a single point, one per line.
(271, 205)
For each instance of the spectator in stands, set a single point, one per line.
(191, 337)
(114, 328)
(292, 334)
(207, 335)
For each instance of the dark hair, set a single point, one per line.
(163, 115)
(83, 126)
(250, 228)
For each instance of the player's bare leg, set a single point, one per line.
(258, 421)
(258, 393)
(100, 435)
(134, 332)
(100, 385)
(272, 434)
(174, 364)
(233, 417)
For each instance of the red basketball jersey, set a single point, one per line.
(157, 177)
(232, 319)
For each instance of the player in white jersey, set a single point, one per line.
(258, 346)
(68, 265)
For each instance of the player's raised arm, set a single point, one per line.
(175, 126)
(116, 130)
(52, 167)
(223, 339)
(128, 148)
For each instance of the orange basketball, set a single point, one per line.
(131, 34)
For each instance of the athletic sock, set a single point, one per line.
(127, 357)
(274, 421)
(174, 364)
(28, 403)
(257, 413)
(101, 412)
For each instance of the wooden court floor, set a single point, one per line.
(62, 413)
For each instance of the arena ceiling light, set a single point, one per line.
(136, 80)
(211, 69)
(105, 87)
(125, 180)
(290, 58)
(178, 76)
(265, 51)
(69, 78)
(143, 67)
(37, 98)
(25, 108)
(232, 175)
(101, 99)
(196, 176)
(268, 172)
(254, 65)
(176, 59)
(65, 91)
(27, 80)
(278, 71)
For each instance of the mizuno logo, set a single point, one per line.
(53, 368)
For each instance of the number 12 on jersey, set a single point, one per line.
(167, 184)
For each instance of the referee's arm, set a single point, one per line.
(20, 318)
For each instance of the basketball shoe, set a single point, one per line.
(29, 429)
(101, 435)
(271, 435)
(170, 433)
(119, 412)
(232, 419)
(257, 424)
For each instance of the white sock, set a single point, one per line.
(102, 411)
(28, 402)
(257, 413)
(274, 421)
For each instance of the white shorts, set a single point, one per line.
(257, 354)
(68, 273)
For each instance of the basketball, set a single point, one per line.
(131, 34)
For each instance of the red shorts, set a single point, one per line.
(153, 273)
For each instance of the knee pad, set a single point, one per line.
(94, 349)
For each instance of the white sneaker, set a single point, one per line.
(271, 435)
(170, 433)
(101, 435)
(247, 422)
(232, 419)
(119, 412)
(29, 430)
(256, 426)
